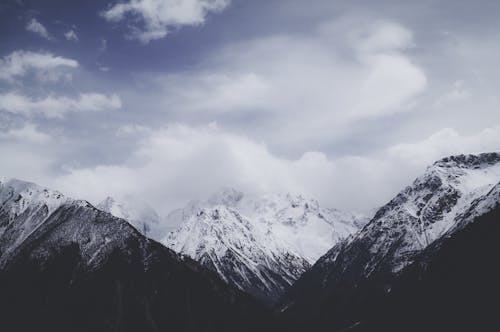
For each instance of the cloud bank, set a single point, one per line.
(172, 163)
(303, 89)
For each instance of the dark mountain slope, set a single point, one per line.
(453, 285)
(354, 282)
(84, 270)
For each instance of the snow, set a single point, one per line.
(298, 224)
(29, 193)
(34, 203)
(282, 234)
(26, 208)
(432, 206)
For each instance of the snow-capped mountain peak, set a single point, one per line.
(433, 205)
(27, 193)
(420, 224)
(261, 244)
(27, 203)
(226, 197)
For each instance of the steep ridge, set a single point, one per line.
(24, 207)
(259, 244)
(451, 286)
(67, 266)
(339, 289)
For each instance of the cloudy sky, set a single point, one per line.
(170, 100)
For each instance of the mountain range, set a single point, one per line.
(349, 283)
(425, 261)
(67, 266)
(260, 244)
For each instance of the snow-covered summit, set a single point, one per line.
(26, 194)
(429, 247)
(261, 244)
(305, 226)
(471, 161)
(27, 200)
(24, 207)
(431, 207)
(226, 196)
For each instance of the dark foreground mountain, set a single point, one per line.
(452, 286)
(425, 262)
(66, 266)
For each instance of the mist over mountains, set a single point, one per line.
(236, 262)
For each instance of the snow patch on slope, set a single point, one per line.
(428, 209)
(268, 241)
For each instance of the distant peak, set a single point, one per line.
(226, 196)
(108, 201)
(469, 160)
(21, 186)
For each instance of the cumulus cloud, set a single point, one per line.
(159, 16)
(19, 63)
(37, 28)
(308, 80)
(28, 133)
(179, 163)
(57, 107)
(71, 35)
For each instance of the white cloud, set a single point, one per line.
(57, 107)
(28, 133)
(308, 80)
(391, 82)
(45, 65)
(71, 35)
(447, 142)
(36, 27)
(180, 163)
(159, 16)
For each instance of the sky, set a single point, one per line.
(166, 101)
